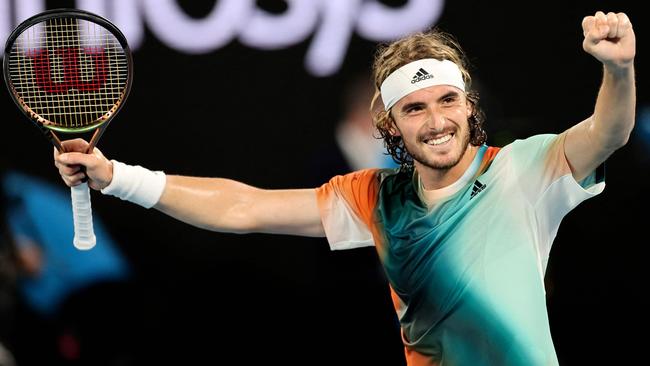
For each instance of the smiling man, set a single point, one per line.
(463, 230)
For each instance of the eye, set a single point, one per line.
(450, 100)
(414, 108)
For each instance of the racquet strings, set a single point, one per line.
(72, 73)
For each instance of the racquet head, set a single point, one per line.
(68, 70)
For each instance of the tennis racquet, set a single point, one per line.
(70, 72)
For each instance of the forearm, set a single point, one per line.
(614, 112)
(210, 203)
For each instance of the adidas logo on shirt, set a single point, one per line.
(477, 188)
(422, 74)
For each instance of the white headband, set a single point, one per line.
(418, 75)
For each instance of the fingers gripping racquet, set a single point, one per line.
(70, 72)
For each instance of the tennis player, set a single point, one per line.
(463, 229)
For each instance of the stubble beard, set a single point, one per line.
(439, 164)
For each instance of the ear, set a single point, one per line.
(470, 109)
(393, 127)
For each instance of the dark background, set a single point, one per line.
(266, 299)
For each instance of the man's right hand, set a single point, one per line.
(98, 169)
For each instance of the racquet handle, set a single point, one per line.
(84, 235)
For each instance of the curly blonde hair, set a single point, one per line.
(389, 57)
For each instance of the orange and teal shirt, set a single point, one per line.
(465, 263)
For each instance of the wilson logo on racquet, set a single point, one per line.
(72, 76)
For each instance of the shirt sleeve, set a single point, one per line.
(544, 176)
(347, 204)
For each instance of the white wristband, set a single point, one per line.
(136, 184)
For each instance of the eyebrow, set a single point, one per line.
(448, 94)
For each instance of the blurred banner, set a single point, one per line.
(330, 24)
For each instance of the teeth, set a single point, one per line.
(439, 141)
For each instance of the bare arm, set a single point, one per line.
(610, 39)
(211, 203)
(230, 206)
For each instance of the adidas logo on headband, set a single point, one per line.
(422, 74)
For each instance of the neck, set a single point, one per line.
(439, 178)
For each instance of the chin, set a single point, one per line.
(446, 160)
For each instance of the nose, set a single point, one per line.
(435, 119)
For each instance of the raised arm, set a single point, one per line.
(610, 39)
(210, 203)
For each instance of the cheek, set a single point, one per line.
(468, 108)
(461, 115)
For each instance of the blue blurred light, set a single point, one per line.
(643, 125)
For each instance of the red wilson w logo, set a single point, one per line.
(68, 69)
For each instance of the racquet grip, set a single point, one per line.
(84, 235)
